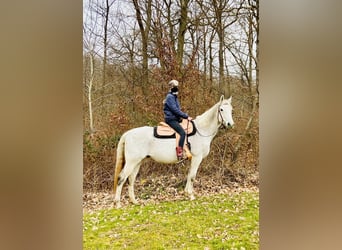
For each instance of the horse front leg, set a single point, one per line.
(195, 162)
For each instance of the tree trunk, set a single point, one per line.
(220, 52)
(183, 21)
(90, 86)
(105, 45)
(257, 47)
(144, 31)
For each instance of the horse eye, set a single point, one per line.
(221, 109)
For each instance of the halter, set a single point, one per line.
(221, 123)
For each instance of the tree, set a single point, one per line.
(183, 23)
(220, 15)
(90, 88)
(245, 52)
(244, 48)
(144, 27)
(91, 50)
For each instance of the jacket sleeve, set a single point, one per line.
(172, 105)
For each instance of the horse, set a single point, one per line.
(139, 143)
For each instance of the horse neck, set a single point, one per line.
(208, 120)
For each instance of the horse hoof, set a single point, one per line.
(192, 197)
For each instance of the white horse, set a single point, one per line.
(140, 143)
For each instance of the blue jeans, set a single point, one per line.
(178, 128)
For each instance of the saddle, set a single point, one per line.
(163, 130)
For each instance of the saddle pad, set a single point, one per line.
(165, 131)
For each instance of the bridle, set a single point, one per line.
(219, 115)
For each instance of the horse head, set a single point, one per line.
(225, 112)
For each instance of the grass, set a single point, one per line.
(216, 222)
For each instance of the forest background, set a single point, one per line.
(132, 49)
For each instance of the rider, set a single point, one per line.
(173, 115)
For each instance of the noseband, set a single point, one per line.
(219, 115)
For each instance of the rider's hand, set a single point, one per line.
(189, 118)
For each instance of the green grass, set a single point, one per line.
(216, 222)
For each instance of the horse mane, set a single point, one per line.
(205, 119)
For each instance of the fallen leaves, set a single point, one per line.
(155, 190)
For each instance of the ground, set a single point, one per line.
(161, 189)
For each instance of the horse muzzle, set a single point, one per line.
(229, 125)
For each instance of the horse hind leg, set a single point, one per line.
(131, 181)
(125, 173)
(121, 181)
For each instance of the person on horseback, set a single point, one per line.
(173, 115)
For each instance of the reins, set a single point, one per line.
(186, 134)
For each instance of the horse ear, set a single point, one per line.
(221, 99)
(230, 99)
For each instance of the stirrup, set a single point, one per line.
(182, 158)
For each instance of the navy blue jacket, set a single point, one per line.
(172, 110)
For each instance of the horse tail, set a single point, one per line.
(120, 160)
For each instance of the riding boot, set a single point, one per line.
(179, 151)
